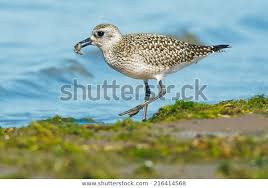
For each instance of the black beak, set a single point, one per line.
(85, 42)
(82, 44)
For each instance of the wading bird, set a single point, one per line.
(145, 56)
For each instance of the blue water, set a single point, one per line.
(37, 57)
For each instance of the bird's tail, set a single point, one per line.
(195, 52)
(219, 48)
(201, 51)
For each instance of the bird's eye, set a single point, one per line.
(100, 33)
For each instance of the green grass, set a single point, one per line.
(61, 148)
(192, 110)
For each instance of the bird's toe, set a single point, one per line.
(132, 111)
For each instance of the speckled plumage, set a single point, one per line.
(150, 56)
(144, 56)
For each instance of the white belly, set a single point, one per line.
(133, 67)
(136, 68)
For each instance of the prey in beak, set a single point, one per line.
(82, 44)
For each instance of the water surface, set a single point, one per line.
(37, 57)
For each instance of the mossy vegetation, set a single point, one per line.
(192, 110)
(62, 148)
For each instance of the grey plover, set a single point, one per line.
(145, 56)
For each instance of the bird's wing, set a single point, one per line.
(166, 51)
(159, 50)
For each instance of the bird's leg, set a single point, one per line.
(146, 98)
(135, 110)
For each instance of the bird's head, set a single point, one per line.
(103, 36)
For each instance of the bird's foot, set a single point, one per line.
(132, 111)
(144, 119)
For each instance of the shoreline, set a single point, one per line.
(184, 140)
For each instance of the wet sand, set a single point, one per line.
(253, 124)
